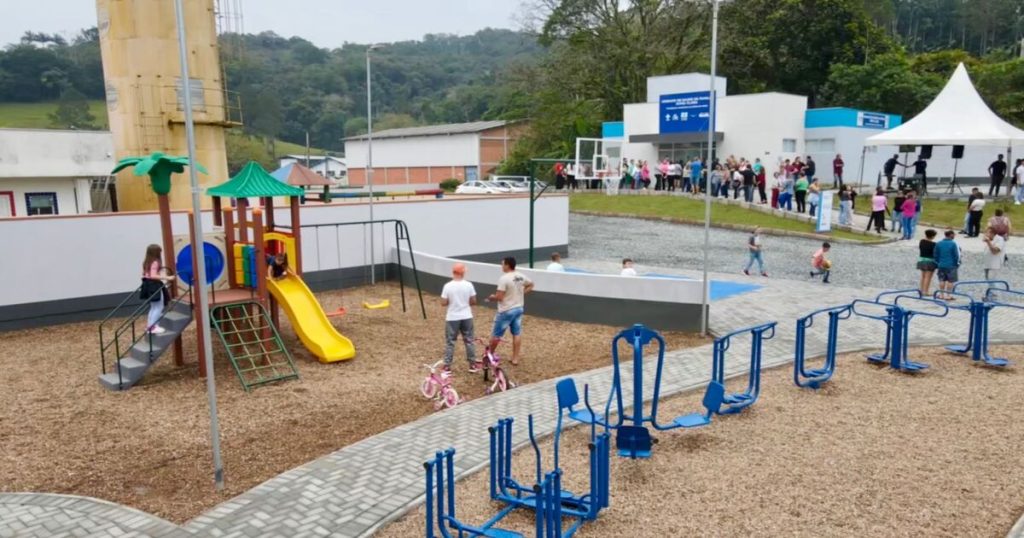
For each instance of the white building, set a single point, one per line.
(51, 172)
(773, 127)
(328, 166)
(422, 157)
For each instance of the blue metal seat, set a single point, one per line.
(714, 396)
(568, 396)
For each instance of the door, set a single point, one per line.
(7, 204)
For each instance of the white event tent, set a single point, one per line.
(956, 117)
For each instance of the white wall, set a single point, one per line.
(685, 83)
(35, 153)
(592, 285)
(454, 150)
(70, 200)
(850, 142)
(67, 257)
(640, 119)
(755, 125)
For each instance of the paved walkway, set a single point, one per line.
(358, 489)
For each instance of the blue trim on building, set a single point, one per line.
(613, 129)
(849, 117)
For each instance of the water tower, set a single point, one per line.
(145, 104)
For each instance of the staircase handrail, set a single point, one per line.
(129, 324)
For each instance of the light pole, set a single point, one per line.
(200, 276)
(710, 163)
(369, 157)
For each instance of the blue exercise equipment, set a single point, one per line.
(977, 335)
(815, 377)
(897, 320)
(737, 401)
(632, 438)
(546, 497)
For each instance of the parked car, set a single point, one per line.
(514, 186)
(476, 187)
(498, 186)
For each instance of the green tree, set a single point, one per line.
(790, 45)
(72, 112)
(612, 47)
(242, 148)
(1002, 86)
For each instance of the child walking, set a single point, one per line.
(756, 255)
(153, 279)
(820, 265)
(459, 296)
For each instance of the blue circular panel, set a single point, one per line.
(214, 263)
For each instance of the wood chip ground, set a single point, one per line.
(149, 447)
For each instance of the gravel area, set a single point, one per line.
(600, 243)
(148, 447)
(874, 453)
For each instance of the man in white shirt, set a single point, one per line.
(511, 296)
(459, 296)
(627, 268)
(1019, 175)
(556, 263)
(996, 252)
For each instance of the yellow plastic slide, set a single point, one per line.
(309, 321)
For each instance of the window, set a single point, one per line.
(7, 204)
(821, 145)
(789, 145)
(41, 203)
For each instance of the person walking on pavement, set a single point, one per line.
(754, 249)
(947, 259)
(996, 173)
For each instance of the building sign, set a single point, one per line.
(684, 112)
(872, 120)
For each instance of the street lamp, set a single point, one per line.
(369, 156)
(710, 161)
(200, 276)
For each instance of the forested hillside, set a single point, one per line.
(574, 65)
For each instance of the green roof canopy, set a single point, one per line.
(251, 182)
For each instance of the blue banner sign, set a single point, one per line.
(684, 112)
(872, 120)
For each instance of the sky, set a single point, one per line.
(327, 23)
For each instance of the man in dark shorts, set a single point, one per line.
(947, 259)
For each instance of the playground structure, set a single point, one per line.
(246, 315)
(979, 309)
(546, 498)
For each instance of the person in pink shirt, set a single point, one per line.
(908, 211)
(662, 183)
(820, 265)
(878, 209)
(645, 175)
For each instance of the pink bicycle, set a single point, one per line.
(438, 386)
(492, 369)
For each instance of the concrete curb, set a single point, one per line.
(737, 227)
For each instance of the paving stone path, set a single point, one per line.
(360, 488)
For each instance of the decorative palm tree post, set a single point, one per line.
(159, 168)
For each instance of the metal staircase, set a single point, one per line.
(135, 349)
